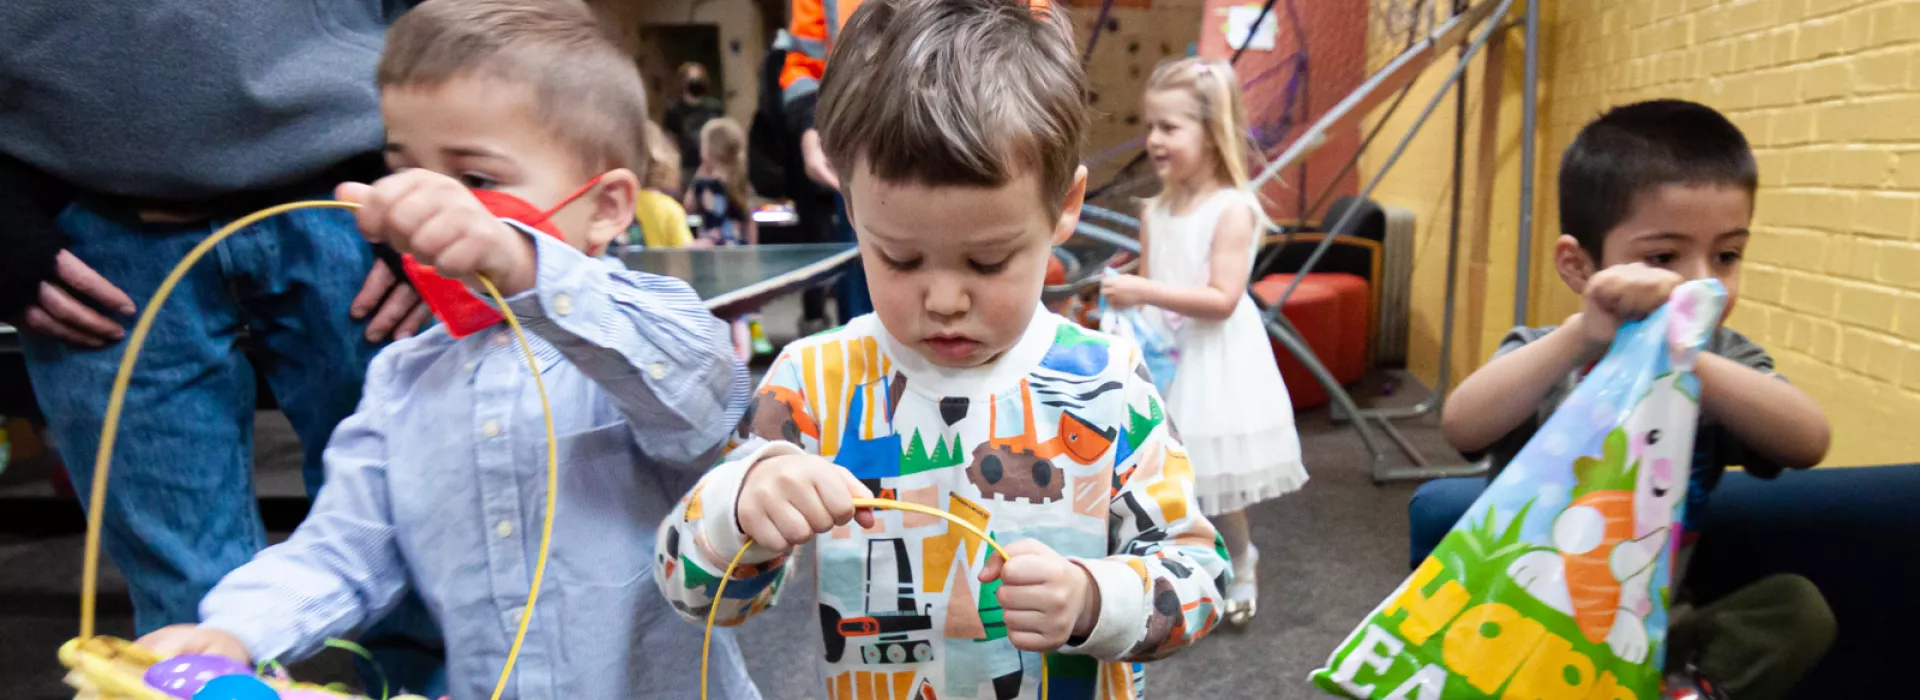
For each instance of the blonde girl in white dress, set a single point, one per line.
(1198, 238)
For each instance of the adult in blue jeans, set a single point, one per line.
(136, 129)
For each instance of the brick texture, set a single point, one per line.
(1828, 91)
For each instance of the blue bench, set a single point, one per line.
(1855, 532)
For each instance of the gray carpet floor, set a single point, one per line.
(1330, 553)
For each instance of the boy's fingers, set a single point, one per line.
(169, 642)
(378, 215)
(412, 215)
(1030, 641)
(859, 490)
(352, 192)
(459, 258)
(855, 489)
(813, 507)
(792, 526)
(835, 496)
(991, 571)
(761, 530)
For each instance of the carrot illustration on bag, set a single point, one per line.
(1602, 512)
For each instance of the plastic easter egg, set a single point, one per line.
(182, 676)
(236, 687)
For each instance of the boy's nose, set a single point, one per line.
(947, 298)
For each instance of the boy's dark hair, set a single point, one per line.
(586, 90)
(956, 92)
(1637, 147)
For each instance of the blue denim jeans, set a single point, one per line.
(1434, 509)
(181, 510)
(851, 290)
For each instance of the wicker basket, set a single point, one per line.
(106, 668)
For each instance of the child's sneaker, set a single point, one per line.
(761, 346)
(1689, 684)
(1243, 595)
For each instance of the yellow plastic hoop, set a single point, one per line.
(105, 662)
(713, 611)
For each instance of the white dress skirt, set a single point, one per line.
(1227, 399)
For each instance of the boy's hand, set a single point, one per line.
(1046, 597)
(1620, 294)
(786, 500)
(434, 218)
(175, 640)
(1124, 291)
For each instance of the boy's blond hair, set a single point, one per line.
(663, 160)
(587, 91)
(956, 92)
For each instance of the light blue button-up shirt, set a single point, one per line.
(438, 482)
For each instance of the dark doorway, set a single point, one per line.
(663, 47)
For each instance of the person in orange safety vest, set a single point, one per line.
(814, 25)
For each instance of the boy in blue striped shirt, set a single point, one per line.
(438, 482)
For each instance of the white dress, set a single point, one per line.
(1227, 399)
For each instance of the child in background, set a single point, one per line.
(721, 204)
(1197, 242)
(438, 482)
(660, 218)
(959, 393)
(719, 196)
(1653, 194)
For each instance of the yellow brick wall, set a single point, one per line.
(1489, 214)
(1828, 91)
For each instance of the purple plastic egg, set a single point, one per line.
(184, 675)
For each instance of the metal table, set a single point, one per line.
(733, 281)
(741, 279)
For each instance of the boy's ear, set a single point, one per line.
(1070, 207)
(1573, 263)
(612, 208)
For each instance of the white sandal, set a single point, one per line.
(1243, 595)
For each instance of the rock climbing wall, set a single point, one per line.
(1335, 34)
(1135, 36)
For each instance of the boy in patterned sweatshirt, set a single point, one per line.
(955, 125)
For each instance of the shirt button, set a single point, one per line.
(492, 429)
(562, 304)
(471, 365)
(659, 371)
(504, 529)
(500, 339)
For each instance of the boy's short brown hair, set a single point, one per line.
(587, 91)
(956, 92)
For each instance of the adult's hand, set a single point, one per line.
(62, 311)
(397, 309)
(815, 158)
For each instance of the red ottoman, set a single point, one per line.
(1331, 311)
